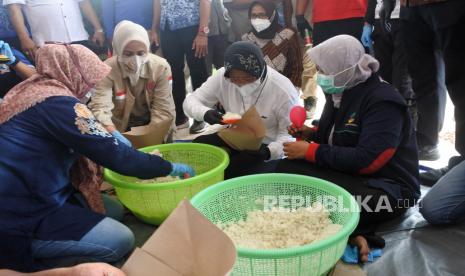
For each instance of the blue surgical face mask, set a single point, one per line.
(326, 82)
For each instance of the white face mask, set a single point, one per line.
(247, 89)
(133, 65)
(260, 24)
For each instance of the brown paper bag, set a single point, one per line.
(343, 269)
(248, 134)
(186, 244)
(148, 135)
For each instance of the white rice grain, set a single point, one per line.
(282, 228)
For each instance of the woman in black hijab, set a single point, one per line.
(280, 46)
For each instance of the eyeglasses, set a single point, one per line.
(258, 16)
(262, 16)
(241, 80)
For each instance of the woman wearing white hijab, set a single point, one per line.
(364, 141)
(137, 92)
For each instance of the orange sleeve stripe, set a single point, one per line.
(379, 162)
(311, 152)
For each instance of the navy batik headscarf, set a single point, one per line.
(245, 56)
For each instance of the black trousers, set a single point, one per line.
(177, 47)
(101, 52)
(327, 29)
(13, 42)
(423, 32)
(8, 81)
(390, 52)
(430, 99)
(217, 45)
(355, 185)
(240, 163)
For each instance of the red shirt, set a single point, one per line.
(328, 10)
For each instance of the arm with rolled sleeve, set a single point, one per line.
(19, 23)
(72, 124)
(23, 67)
(16, 17)
(276, 147)
(89, 13)
(102, 102)
(204, 98)
(162, 105)
(380, 136)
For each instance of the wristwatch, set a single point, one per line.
(204, 30)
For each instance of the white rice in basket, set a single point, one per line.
(160, 179)
(282, 228)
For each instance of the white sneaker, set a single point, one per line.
(183, 125)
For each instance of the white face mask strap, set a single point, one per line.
(333, 77)
(345, 70)
(353, 74)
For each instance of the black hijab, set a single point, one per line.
(270, 9)
(244, 56)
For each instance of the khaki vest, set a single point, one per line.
(113, 101)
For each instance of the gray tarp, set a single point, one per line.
(413, 247)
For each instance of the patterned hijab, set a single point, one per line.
(244, 56)
(62, 70)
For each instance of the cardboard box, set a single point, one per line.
(343, 269)
(149, 135)
(186, 244)
(247, 134)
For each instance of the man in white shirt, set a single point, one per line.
(53, 21)
(246, 81)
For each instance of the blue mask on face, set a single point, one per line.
(326, 82)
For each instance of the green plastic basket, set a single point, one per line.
(153, 202)
(231, 200)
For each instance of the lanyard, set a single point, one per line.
(259, 95)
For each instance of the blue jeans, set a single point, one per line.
(445, 202)
(109, 241)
